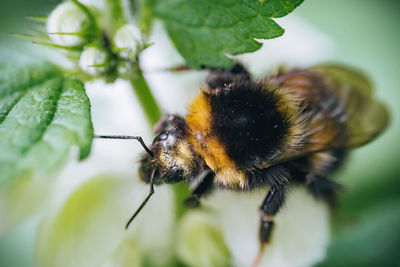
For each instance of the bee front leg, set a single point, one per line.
(193, 201)
(270, 206)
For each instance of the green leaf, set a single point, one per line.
(370, 239)
(42, 114)
(204, 32)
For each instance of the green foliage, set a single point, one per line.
(42, 115)
(373, 237)
(366, 224)
(204, 32)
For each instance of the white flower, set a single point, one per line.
(301, 231)
(200, 242)
(129, 40)
(67, 19)
(92, 60)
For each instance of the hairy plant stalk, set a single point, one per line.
(143, 93)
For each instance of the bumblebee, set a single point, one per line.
(294, 127)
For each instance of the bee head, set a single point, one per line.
(173, 157)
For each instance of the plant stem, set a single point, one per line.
(143, 93)
(152, 112)
(115, 16)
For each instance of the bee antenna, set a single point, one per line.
(144, 201)
(127, 137)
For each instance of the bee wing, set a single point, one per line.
(346, 76)
(366, 116)
(346, 114)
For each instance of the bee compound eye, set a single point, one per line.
(163, 136)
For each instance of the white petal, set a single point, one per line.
(129, 39)
(200, 242)
(21, 199)
(301, 231)
(127, 254)
(92, 56)
(67, 18)
(88, 227)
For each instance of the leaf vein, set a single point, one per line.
(12, 106)
(40, 137)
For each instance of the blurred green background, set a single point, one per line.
(366, 227)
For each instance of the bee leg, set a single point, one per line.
(221, 78)
(324, 188)
(270, 206)
(193, 201)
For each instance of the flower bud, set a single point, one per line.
(66, 24)
(99, 4)
(93, 60)
(128, 40)
(201, 243)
